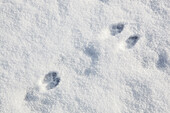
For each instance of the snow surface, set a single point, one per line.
(84, 56)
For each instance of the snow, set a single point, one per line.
(84, 56)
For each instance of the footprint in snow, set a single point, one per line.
(51, 80)
(31, 95)
(131, 41)
(162, 62)
(116, 28)
(92, 51)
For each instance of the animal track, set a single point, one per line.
(116, 29)
(131, 41)
(51, 79)
(162, 60)
(34, 98)
(91, 51)
(31, 96)
(141, 96)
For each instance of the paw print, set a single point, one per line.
(51, 80)
(116, 28)
(131, 41)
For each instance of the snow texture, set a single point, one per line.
(84, 56)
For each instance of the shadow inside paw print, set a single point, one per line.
(116, 28)
(52, 80)
(131, 41)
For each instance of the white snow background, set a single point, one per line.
(84, 56)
